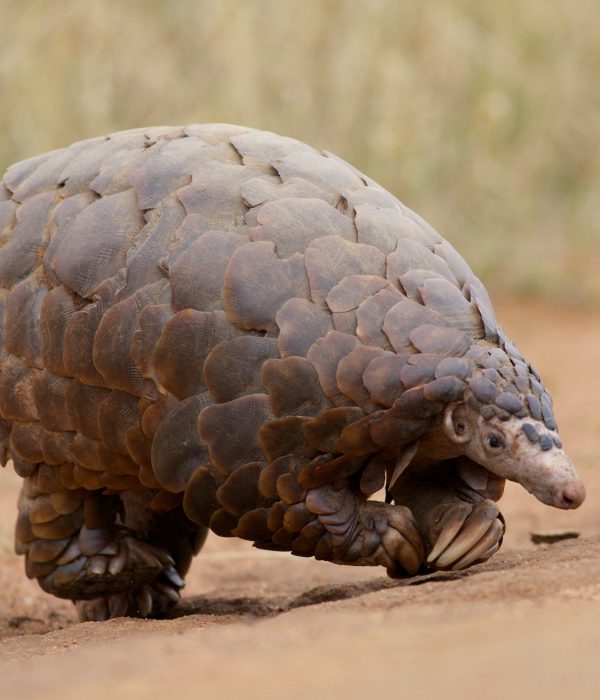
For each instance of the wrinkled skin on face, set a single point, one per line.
(504, 449)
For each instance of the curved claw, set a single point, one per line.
(402, 520)
(401, 551)
(453, 519)
(490, 540)
(467, 534)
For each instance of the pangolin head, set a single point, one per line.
(505, 423)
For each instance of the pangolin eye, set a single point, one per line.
(495, 442)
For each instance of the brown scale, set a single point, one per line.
(117, 464)
(284, 436)
(352, 290)
(412, 255)
(230, 431)
(293, 387)
(47, 174)
(349, 376)
(183, 347)
(381, 378)
(253, 526)
(290, 224)
(115, 171)
(331, 258)
(63, 215)
(443, 341)
(165, 170)
(16, 391)
(94, 248)
(419, 369)
(376, 199)
(113, 340)
(83, 402)
(151, 321)
(78, 345)
(325, 355)
(25, 440)
(67, 477)
(153, 412)
(324, 431)
(81, 170)
(269, 476)
(117, 414)
(320, 471)
(233, 367)
(21, 319)
(371, 314)
(385, 227)
(273, 282)
(260, 191)
(50, 398)
(240, 493)
(8, 212)
(413, 281)
(47, 480)
(177, 448)
(301, 323)
(445, 298)
(19, 172)
(23, 252)
(476, 292)
(197, 275)
(144, 263)
(403, 318)
(214, 193)
(200, 500)
(324, 172)
(265, 147)
(88, 479)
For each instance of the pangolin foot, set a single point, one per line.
(464, 534)
(368, 532)
(155, 599)
(129, 576)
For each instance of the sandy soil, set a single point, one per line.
(257, 624)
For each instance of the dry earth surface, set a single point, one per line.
(261, 625)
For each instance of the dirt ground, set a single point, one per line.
(261, 625)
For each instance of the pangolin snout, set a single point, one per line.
(570, 495)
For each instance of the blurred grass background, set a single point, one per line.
(483, 117)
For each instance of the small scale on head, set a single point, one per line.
(505, 424)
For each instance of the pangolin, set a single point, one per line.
(215, 327)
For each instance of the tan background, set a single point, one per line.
(484, 118)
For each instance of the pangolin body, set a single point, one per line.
(218, 327)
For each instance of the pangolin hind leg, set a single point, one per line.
(82, 545)
(459, 520)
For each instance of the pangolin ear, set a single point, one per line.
(456, 424)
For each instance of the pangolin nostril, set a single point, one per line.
(572, 496)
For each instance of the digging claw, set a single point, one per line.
(468, 534)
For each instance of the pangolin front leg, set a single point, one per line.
(77, 547)
(366, 533)
(459, 519)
